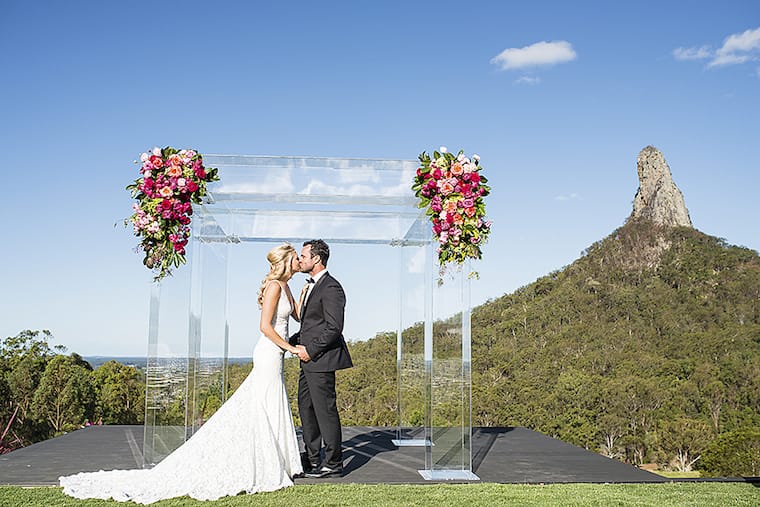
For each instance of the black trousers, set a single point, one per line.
(319, 417)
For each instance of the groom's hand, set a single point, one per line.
(302, 354)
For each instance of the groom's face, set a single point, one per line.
(306, 260)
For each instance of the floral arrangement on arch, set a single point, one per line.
(452, 189)
(171, 181)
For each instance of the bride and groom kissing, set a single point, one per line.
(250, 444)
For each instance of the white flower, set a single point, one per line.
(157, 151)
(443, 149)
(476, 157)
(460, 158)
(144, 157)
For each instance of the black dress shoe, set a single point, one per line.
(325, 471)
(308, 468)
(307, 465)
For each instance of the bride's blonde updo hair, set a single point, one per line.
(280, 262)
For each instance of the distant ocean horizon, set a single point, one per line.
(140, 362)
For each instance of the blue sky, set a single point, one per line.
(558, 120)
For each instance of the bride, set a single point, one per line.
(249, 444)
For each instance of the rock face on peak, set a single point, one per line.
(658, 199)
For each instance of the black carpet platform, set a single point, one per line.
(500, 455)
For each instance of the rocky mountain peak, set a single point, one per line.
(658, 199)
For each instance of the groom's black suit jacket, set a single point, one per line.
(322, 327)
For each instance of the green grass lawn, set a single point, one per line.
(363, 495)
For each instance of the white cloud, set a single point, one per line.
(737, 48)
(746, 41)
(568, 197)
(540, 54)
(529, 80)
(692, 53)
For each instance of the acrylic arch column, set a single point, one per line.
(361, 207)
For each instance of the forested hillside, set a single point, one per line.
(646, 349)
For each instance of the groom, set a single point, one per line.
(322, 351)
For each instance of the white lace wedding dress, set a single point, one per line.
(248, 445)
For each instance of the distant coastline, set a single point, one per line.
(139, 362)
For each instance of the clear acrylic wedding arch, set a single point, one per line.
(383, 253)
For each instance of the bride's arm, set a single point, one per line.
(268, 306)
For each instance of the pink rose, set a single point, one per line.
(446, 187)
(165, 192)
(174, 171)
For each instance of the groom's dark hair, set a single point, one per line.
(320, 248)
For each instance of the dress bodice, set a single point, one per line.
(282, 313)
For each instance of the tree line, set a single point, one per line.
(45, 393)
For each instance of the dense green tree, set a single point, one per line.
(23, 359)
(120, 393)
(733, 454)
(684, 439)
(64, 398)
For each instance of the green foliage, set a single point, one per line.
(64, 398)
(733, 454)
(50, 393)
(23, 359)
(120, 394)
